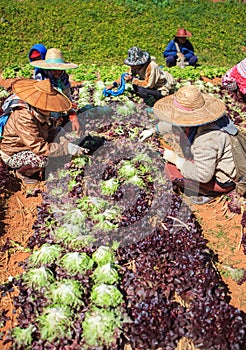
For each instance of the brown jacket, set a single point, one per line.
(25, 131)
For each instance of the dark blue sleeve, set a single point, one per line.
(187, 50)
(170, 49)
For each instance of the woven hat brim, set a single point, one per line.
(54, 102)
(137, 63)
(212, 110)
(57, 66)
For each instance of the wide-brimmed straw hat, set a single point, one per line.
(183, 33)
(41, 94)
(136, 57)
(189, 107)
(54, 60)
(241, 67)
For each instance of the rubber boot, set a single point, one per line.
(24, 174)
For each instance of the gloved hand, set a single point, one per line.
(75, 122)
(232, 86)
(173, 158)
(75, 149)
(146, 133)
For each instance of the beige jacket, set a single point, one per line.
(24, 131)
(212, 155)
(151, 76)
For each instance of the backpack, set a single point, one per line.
(238, 143)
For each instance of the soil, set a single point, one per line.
(18, 209)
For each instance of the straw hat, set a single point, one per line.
(41, 94)
(183, 33)
(53, 60)
(136, 57)
(189, 107)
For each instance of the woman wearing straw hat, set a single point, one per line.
(180, 48)
(29, 134)
(207, 166)
(235, 80)
(149, 81)
(54, 67)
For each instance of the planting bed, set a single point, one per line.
(117, 258)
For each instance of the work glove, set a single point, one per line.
(73, 149)
(172, 157)
(75, 122)
(146, 133)
(232, 86)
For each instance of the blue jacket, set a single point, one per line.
(186, 49)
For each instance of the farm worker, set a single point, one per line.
(204, 131)
(36, 53)
(29, 134)
(235, 80)
(149, 81)
(180, 49)
(54, 67)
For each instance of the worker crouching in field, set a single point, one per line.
(235, 80)
(149, 81)
(28, 135)
(208, 166)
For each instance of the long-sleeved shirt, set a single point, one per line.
(151, 76)
(186, 49)
(212, 154)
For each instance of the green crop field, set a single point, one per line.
(100, 32)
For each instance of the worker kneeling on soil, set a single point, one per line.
(29, 134)
(208, 166)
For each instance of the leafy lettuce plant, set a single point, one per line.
(38, 278)
(75, 217)
(75, 262)
(106, 273)
(127, 169)
(22, 337)
(106, 295)
(66, 292)
(47, 254)
(103, 255)
(110, 186)
(66, 233)
(100, 327)
(137, 180)
(55, 322)
(112, 213)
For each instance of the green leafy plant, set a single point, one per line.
(106, 273)
(100, 327)
(110, 186)
(103, 255)
(23, 336)
(38, 278)
(55, 322)
(46, 254)
(106, 295)
(75, 262)
(66, 292)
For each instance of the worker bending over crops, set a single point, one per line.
(54, 67)
(29, 133)
(208, 165)
(235, 80)
(148, 79)
(179, 51)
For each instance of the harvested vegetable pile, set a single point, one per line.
(117, 256)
